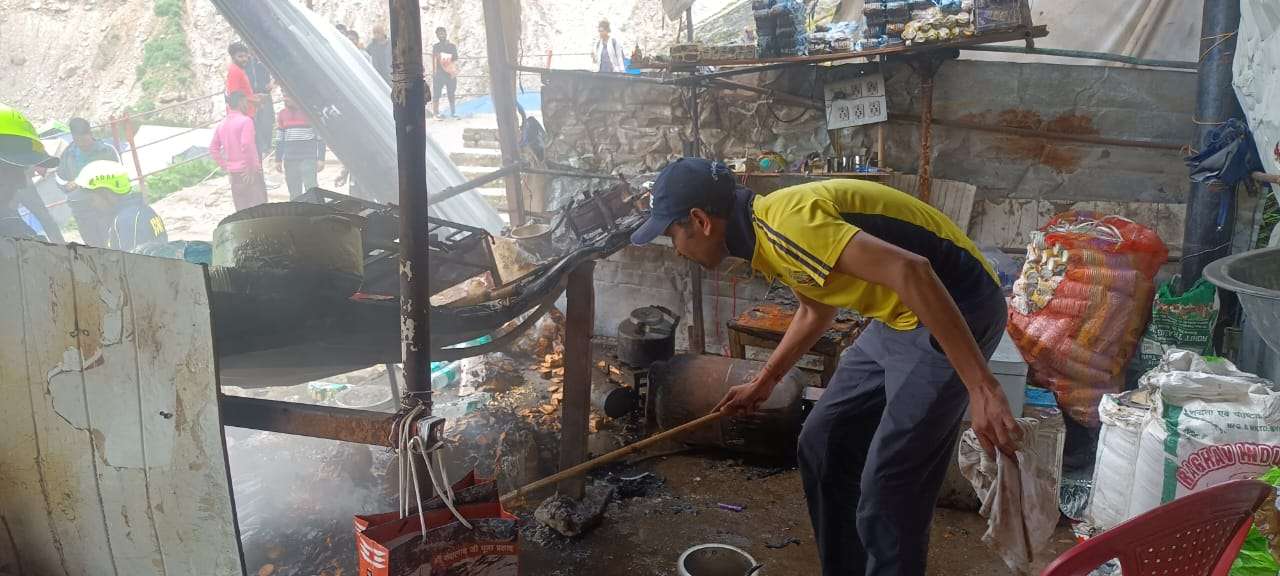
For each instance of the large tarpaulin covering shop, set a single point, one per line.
(1255, 68)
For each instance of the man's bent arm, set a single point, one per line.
(911, 276)
(812, 319)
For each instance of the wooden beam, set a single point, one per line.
(575, 408)
(502, 84)
(697, 325)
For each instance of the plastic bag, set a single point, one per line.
(1081, 304)
(1182, 321)
(1123, 418)
(1257, 556)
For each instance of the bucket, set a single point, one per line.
(715, 560)
(534, 237)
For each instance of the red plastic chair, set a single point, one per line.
(1197, 535)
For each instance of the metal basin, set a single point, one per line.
(716, 560)
(1255, 277)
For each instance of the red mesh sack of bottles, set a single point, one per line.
(1082, 303)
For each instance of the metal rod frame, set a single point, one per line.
(754, 66)
(474, 183)
(1087, 55)
(332, 423)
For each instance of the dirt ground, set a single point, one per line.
(641, 534)
(645, 535)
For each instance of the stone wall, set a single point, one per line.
(635, 127)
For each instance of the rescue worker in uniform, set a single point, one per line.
(133, 223)
(20, 152)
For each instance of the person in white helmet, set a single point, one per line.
(133, 222)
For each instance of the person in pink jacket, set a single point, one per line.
(235, 150)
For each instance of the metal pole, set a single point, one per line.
(1205, 237)
(408, 100)
(926, 132)
(697, 324)
(1107, 56)
(502, 85)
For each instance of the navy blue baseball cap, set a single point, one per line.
(683, 185)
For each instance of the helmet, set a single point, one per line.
(105, 174)
(19, 143)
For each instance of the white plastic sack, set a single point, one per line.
(1211, 423)
(1123, 417)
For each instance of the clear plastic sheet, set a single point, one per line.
(349, 102)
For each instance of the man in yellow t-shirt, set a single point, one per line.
(875, 449)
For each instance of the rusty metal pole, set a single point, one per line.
(697, 324)
(409, 102)
(502, 85)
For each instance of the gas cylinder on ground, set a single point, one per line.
(690, 385)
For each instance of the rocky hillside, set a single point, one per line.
(96, 58)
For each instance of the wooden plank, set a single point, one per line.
(112, 399)
(22, 502)
(576, 405)
(68, 464)
(502, 84)
(187, 475)
(1009, 222)
(952, 197)
(112, 446)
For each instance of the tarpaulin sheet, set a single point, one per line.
(349, 101)
(1255, 67)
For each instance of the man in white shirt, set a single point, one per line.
(608, 51)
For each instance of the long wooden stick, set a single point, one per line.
(516, 496)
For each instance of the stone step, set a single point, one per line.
(476, 158)
(479, 134)
(496, 197)
(482, 144)
(471, 172)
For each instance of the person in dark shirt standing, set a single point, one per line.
(379, 50)
(299, 150)
(264, 114)
(444, 60)
(84, 149)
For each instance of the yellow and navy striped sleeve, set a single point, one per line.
(809, 235)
